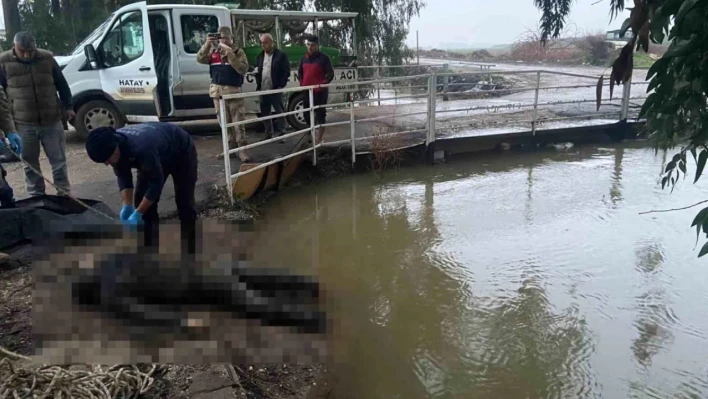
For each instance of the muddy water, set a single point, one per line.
(507, 276)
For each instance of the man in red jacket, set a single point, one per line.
(316, 68)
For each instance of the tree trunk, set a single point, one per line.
(68, 13)
(12, 18)
(56, 8)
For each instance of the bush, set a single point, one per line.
(597, 50)
(529, 48)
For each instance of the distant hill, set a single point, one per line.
(466, 47)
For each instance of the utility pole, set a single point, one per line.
(417, 48)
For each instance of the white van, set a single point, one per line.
(140, 64)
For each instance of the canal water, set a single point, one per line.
(515, 275)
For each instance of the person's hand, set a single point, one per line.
(134, 219)
(70, 115)
(126, 211)
(225, 48)
(15, 142)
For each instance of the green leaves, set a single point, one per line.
(700, 165)
(704, 250)
(598, 91)
(647, 105)
(659, 67)
(686, 6)
(701, 222)
(681, 48)
(625, 26)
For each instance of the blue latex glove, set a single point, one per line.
(135, 219)
(15, 142)
(126, 211)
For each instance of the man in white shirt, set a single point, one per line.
(273, 73)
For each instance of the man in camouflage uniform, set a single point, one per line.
(227, 66)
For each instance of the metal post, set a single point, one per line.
(378, 85)
(535, 103)
(432, 87)
(625, 99)
(352, 128)
(417, 47)
(317, 26)
(445, 82)
(243, 24)
(225, 143)
(312, 126)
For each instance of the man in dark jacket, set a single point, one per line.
(157, 150)
(316, 68)
(31, 78)
(273, 73)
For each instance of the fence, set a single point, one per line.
(430, 117)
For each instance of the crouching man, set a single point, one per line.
(156, 150)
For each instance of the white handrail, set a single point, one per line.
(431, 93)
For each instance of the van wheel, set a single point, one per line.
(297, 121)
(95, 114)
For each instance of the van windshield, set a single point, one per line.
(93, 36)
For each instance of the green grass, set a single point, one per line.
(642, 60)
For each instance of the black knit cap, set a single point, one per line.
(101, 143)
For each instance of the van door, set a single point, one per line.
(163, 48)
(191, 95)
(127, 69)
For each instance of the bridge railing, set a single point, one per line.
(564, 103)
(465, 97)
(352, 105)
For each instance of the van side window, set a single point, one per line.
(124, 42)
(195, 29)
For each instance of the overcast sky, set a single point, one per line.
(497, 21)
(484, 22)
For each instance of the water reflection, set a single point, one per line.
(616, 188)
(495, 277)
(409, 325)
(653, 319)
(528, 208)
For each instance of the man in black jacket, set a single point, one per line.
(273, 73)
(157, 150)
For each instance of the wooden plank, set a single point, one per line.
(244, 187)
(290, 166)
(273, 176)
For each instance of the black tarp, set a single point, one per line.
(37, 216)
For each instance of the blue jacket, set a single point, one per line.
(155, 148)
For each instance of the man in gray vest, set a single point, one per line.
(31, 78)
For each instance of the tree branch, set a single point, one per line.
(676, 209)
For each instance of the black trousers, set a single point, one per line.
(184, 177)
(320, 98)
(274, 101)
